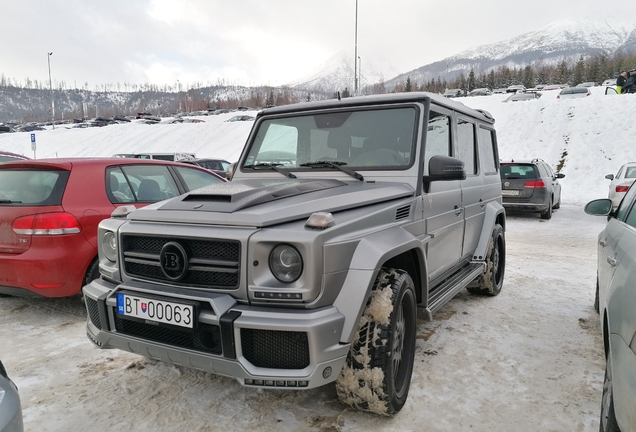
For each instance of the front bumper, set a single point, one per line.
(257, 346)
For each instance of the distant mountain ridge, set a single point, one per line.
(565, 39)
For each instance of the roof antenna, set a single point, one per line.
(338, 92)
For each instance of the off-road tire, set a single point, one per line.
(491, 281)
(608, 421)
(548, 213)
(377, 373)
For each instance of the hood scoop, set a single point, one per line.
(234, 196)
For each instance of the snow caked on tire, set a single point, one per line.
(491, 281)
(377, 373)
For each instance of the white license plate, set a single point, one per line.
(159, 311)
(510, 192)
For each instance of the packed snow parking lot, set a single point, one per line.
(528, 359)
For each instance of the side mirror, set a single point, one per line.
(610, 176)
(444, 168)
(599, 207)
(560, 175)
(230, 170)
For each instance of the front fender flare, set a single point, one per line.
(370, 253)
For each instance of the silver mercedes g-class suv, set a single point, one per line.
(341, 218)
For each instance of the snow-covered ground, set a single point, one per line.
(527, 360)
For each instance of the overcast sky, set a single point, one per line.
(253, 42)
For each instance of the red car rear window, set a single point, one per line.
(32, 187)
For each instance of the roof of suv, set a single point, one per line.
(378, 100)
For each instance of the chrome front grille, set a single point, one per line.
(210, 263)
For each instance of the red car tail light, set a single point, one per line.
(46, 224)
(535, 184)
(622, 188)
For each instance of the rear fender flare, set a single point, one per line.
(493, 212)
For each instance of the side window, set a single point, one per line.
(487, 153)
(631, 218)
(194, 178)
(437, 137)
(150, 183)
(117, 187)
(625, 204)
(620, 172)
(544, 171)
(466, 145)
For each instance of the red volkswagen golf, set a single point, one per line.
(50, 209)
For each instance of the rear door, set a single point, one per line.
(517, 181)
(472, 187)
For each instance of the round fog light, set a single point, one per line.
(327, 372)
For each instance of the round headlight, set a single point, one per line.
(109, 246)
(286, 263)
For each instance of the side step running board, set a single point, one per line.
(451, 286)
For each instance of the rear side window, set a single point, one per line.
(487, 153)
(631, 172)
(194, 178)
(140, 183)
(32, 187)
(466, 145)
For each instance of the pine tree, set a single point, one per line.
(408, 87)
(471, 80)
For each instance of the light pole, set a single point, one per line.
(359, 72)
(51, 90)
(355, 59)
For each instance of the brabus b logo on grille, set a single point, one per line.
(174, 261)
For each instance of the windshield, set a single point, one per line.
(360, 139)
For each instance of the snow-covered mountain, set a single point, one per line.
(337, 73)
(565, 39)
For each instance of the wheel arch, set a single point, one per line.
(495, 214)
(395, 246)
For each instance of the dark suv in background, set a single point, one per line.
(530, 186)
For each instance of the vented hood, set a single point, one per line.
(259, 203)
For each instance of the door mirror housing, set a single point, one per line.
(444, 168)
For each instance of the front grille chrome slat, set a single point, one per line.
(213, 263)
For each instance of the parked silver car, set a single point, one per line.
(616, 303)
(10, 407)
(621, 183)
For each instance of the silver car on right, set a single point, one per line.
(616, 304)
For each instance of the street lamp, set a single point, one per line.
(359, 72)
(355, 59)
(51, 90)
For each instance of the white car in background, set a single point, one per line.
(620, 183)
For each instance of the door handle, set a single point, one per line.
(611, 261)
(459, 211)
(602, 243)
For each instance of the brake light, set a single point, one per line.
(46, 224)
(535, 184)
(622, 188)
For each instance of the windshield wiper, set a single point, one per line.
(334, 164)
(274, 166)
(7, 201)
